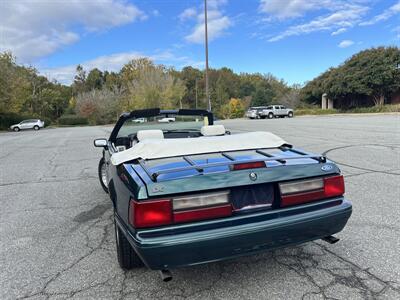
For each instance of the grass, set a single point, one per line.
(360, 110)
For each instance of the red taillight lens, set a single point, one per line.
(252, 165)
(330, 187)
(334, 186)
(203, 214)
(150, 213)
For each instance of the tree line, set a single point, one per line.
(140, 83)
(370, 77)
(26, 94)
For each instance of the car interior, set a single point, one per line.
(123, 143)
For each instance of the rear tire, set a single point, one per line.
(102, 178)
(127, 257)
(36, 127)
(16, 129)
(270, 116)
(290, 114)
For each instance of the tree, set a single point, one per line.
(368, 77)
(79, 85)
(99, 106)
(194, 83)
(152, 86)
(94, 80)
(263, 95)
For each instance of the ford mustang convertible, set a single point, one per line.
(189, 192)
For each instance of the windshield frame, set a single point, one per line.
(154, 112)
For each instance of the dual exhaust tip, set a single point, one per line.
(166, 275)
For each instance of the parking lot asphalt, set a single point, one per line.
(57, 235)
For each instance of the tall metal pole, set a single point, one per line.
(196, 92)
(206, 42)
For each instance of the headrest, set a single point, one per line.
(149, 134)
(213, 130)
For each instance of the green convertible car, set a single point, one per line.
(188, 192)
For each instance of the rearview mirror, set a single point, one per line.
(100, 143)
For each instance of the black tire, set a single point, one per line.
(16, 129)
(270, 115)
(290, 114)
(36, 127)
(100, 170)
(127, 257)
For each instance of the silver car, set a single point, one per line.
(274, 111)
(254, 112)
(34, 124)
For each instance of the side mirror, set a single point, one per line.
(100, 143)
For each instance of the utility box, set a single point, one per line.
(324, 101)
(330, 103)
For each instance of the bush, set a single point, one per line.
(233, 109)
(72, 120)
(314, 111)
(376, 109)
(359, 110)
(8, 119)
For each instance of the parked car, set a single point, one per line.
(189, 193)
(35, 124)
(254, 112)
(139, 120)
(166, 120)
(274, 111)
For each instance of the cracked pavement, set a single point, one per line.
(57, 234)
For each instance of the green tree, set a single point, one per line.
(94, 80)
(368, 77)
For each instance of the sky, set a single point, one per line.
(295, 40)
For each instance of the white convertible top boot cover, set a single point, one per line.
(161, 148)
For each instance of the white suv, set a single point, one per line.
(274, 111)
(35, 124)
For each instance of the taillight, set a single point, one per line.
(251, 165)
(298, 192)
(201, 207)
(334, 186)
(203, 213)
(152, 213)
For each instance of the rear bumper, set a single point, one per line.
(165, 249)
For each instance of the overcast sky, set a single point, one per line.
(293, 39)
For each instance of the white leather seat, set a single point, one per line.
(212, 130)
(149, 134)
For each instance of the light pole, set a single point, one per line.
(206, 44)
(196, 92)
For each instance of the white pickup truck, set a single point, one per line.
(275, 111)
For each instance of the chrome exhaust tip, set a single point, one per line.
(166, 275)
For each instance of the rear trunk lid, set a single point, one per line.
(215, 171)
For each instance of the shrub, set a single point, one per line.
(376, 109)
(72, 120)
(233, 109)
(314, 111)
(371, 109)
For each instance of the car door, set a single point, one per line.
(24, 124)
(30, 124)
(283, 110)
